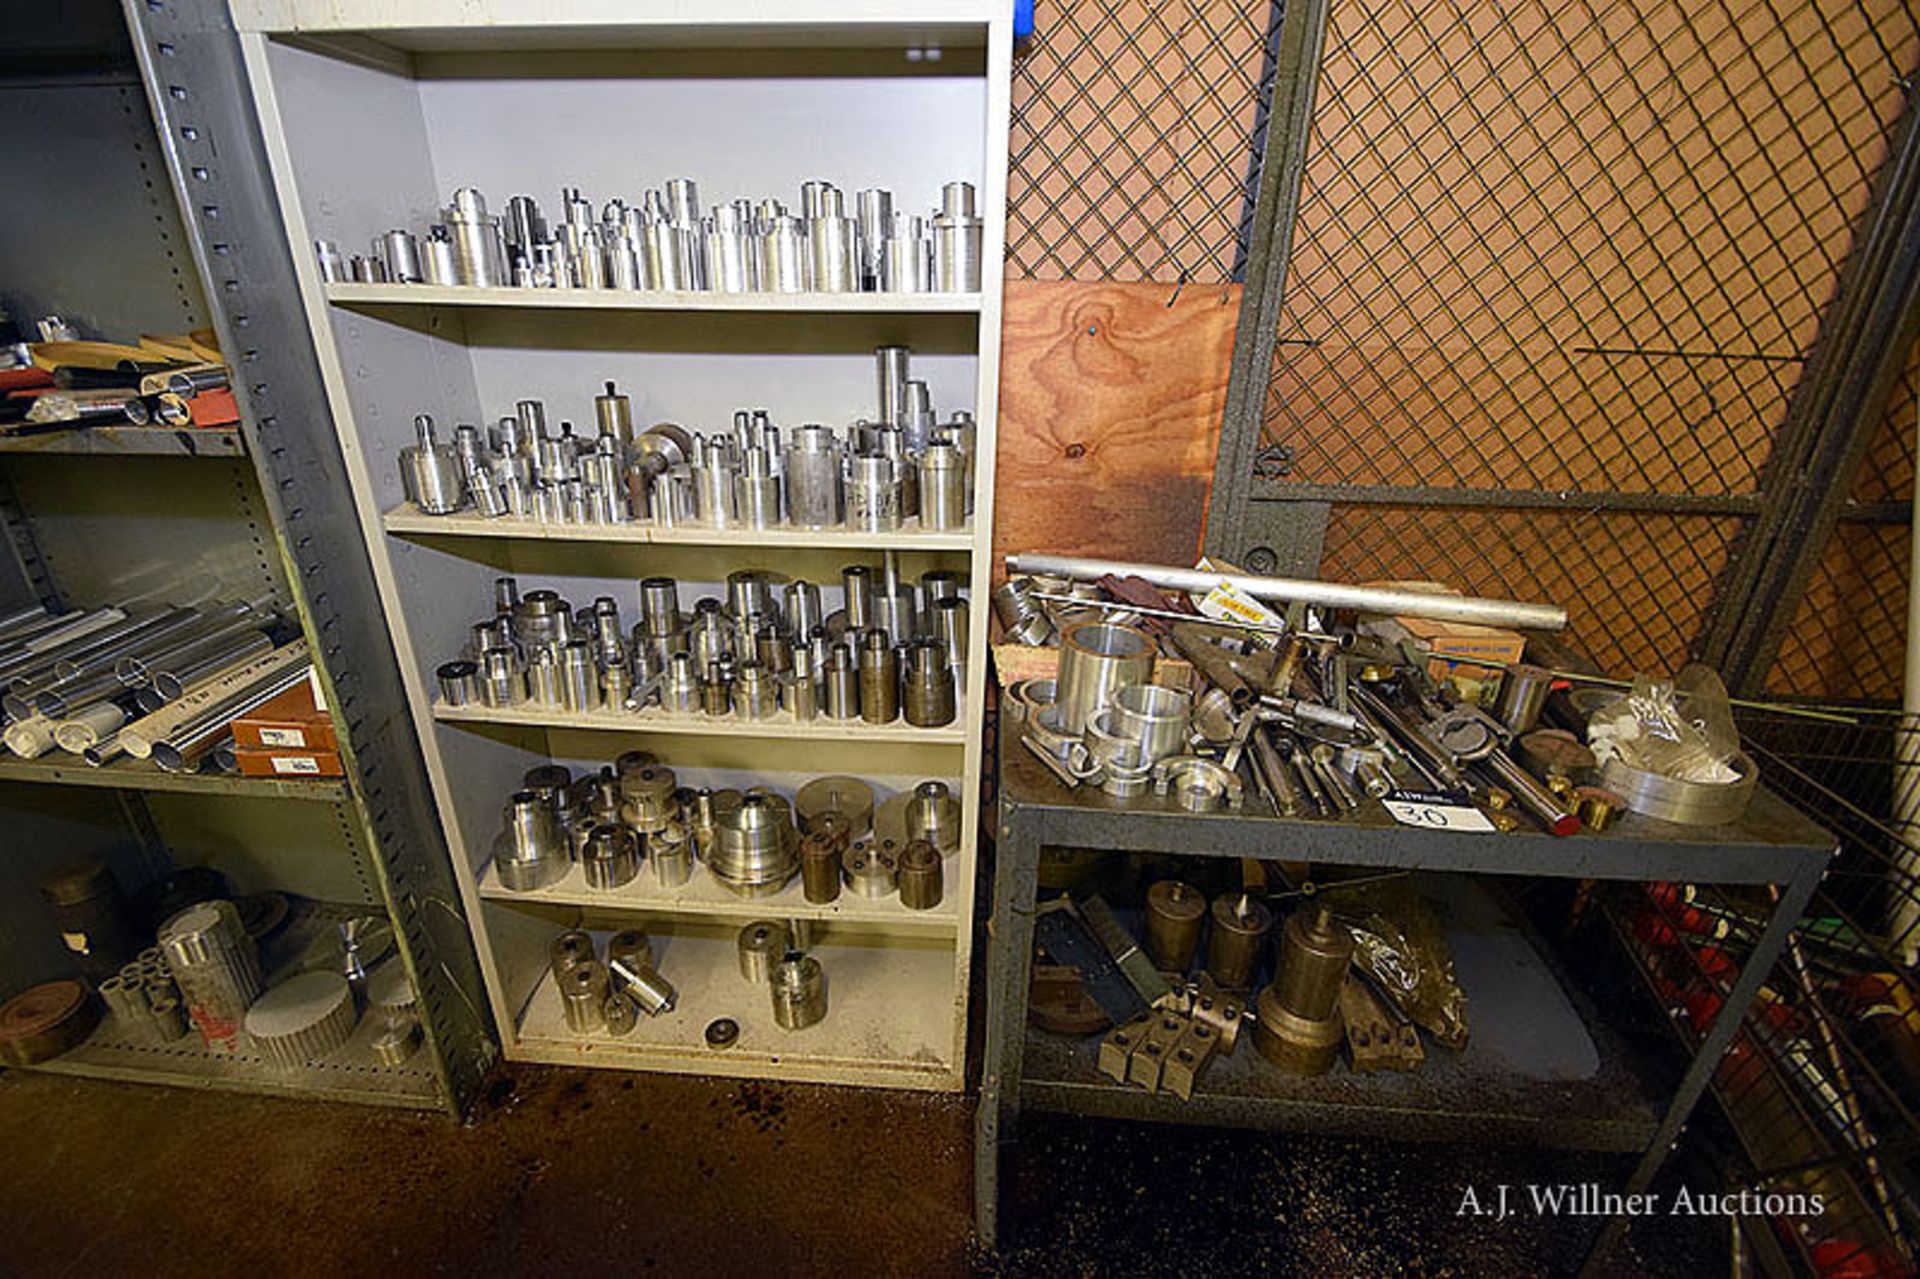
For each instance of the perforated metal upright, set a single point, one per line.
(185, 226)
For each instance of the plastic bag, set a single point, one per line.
(1398, 942)
(1680, 728)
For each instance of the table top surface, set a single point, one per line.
(1772, 842)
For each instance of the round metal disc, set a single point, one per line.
(723, 1032)
(848, 795)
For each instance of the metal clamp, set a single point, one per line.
(1199, 785)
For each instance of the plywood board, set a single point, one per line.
(1110, 403)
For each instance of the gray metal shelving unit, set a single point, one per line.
(1511, 1083)
(83, 513)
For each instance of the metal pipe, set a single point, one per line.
(1366, 599)
(191, 742)
(140, 736)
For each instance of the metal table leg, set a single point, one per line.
(1766, 952)
(1016, 884)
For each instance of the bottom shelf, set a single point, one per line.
(349, 1073)
(889, 1020)
(1533, 1072)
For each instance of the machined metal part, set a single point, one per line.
(631, 947)
(646, 987)
(928, 812)
(503, 678)
(1237, 939)
(583, 997)
(849, 797)
(531, 849)
(1523, 695)
(1158, 717)
(756, 849)
(1298, 1025)
(1174, 912)
(799, 987)
(927, 693)
(943, 488)
(762, 944)
(1326, 766)
(647, 796)
(1021, 617)
(1197, 784)
(1097, 660)
(871, 867)
(919, 875)
(609, 857)
(302, 1019)
(430, 472)
(1366, 599)
(1024, 698)
(216, 968)
(879, 679)
(671, 853)
(1685, 802)
(1271, 769)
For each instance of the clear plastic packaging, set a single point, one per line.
(1680, 728)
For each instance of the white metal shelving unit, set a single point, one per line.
(374, 111)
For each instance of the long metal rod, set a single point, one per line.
(1365, 599)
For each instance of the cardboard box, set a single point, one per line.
(1473, 657)
(274, 762)
(291, 721)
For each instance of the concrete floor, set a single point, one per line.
(597, 1172)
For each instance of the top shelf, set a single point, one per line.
(378, 295)
(460, 26)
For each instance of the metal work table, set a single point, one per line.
(1772, 844)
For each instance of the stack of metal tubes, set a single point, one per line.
(892, 650)
(1325, 718)
(153, 681)
(901, 470)
(665, 243)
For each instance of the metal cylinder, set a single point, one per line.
(785, 250)
(1523, 694)
(647, 797)
(401, 252)
(610, 857)
(820, 853)
(799, 989)
(671, 852)
(430, 472)
(907, 265)
(833, 244)
(873, 495)
(1097, 660)
(927, 694)
(756, 691)
(757, 490)
(531, 849)
(890, 378)
(479, 251)
(1237, 940)
(815, 497)
(761, 945)
(943, 488)
(948, 624)
(856, 589)
(543, 679)
(568, 951)
(583, 997)
(645, 986)
(919, 875)
(1156, 717)
(92, 917)
(756, 848)
(1020, 614)
(215, 967)
(879, 680)
(1299, 1027)
(1174, 912)
(630, 946)
(579, 679)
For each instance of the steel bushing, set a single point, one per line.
(531, 850)
(583, 997)
(932, 814)
(569, 950)
(760, 946)
(919, 876)
(820, 853)
(609, 857)
(1021, 616)
(927, 693)
(799, 988)
(879, 679)
(1025, 698)
(632, 947)
(1157, 717)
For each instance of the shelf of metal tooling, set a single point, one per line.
(129, 441)
(348, 1073)
(132, 774)
(1771, 844)
(409, 520)
(780, 725)
(352, 295)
